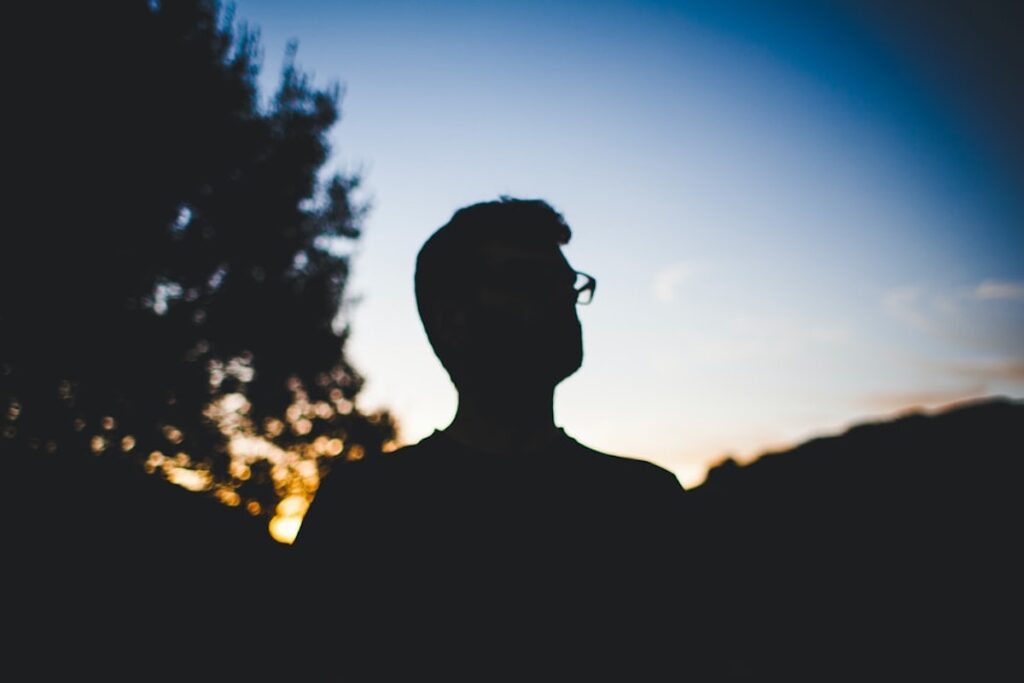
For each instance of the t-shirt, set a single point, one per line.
(564, 548)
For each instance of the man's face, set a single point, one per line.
(522, 324)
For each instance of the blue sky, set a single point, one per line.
(796, 223)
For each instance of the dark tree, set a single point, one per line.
(174, 285)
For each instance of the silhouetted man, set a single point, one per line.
(501, 541)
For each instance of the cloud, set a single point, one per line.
(668, 279)
(994, 289)
(904, 304)
(949, 383)
(984, 316)
(1008, 371)
(905, 401)
(753, 336)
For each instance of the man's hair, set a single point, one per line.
(448, 267)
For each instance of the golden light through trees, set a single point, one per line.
(294, 469)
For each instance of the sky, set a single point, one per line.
(801, 214)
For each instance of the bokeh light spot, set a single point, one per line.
(285, 529)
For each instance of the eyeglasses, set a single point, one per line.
(584, 286)
(538, 284)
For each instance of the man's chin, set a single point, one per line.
(524, 374)
(552, 371)
(524, 363)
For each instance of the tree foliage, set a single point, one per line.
(174, 293)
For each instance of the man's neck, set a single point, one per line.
(509, 421)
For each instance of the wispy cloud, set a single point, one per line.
(904, 304)
(1009, 371)
(764, 336)
(948, 383)
(668, 279)
(994, 289)
(984, 316)
(903, 401)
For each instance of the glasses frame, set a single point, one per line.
(585, 292)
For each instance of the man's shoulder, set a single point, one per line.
(627, 468)
(365, 488)
(437, 456)
(637, 493)
(381, 466)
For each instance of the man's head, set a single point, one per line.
(496, 295)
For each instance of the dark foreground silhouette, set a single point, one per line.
(500, 545)
(888, 551)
